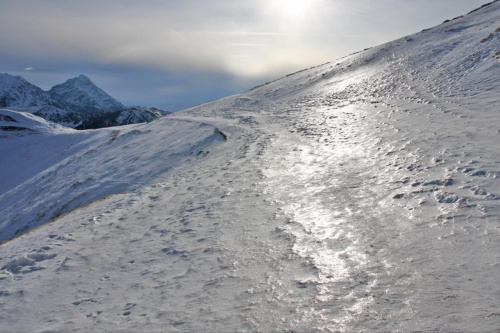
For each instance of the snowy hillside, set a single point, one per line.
(23, 123)
(82, 95)
(45, 174)
(359, 195)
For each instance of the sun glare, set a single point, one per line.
(293, 9)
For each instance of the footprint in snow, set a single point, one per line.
(30, 261)
(127, 309)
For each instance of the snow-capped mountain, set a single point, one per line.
(18, 93)
(150, 109)
(138, 114)
(80, 94)
(63, 117)
(77, 103)
(132, 115)
(358, 195)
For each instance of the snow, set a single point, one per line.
(72, 168)
(359, 195)
(31, 123)
(135, 115)
(82, 95)
(86, 105)
(19, 93)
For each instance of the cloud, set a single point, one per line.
(169, 37)
(195, 35)
(29, 68)
(242, 42)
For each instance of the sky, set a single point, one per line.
(173, 54)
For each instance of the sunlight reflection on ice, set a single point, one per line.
(320, 225)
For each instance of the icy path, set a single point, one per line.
(304, 220)
(399, 234)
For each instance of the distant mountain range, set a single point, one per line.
(77, 103)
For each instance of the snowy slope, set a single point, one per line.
(26, 123)
(359, 195)
(82, 95)
(47, 174)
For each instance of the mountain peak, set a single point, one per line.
(5, 77)
(84, 78)
(82, 95)
(76, 103)
(80, 80)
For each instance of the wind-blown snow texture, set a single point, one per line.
(361, 194)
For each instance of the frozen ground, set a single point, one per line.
(360, 195)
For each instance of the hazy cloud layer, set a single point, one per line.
(162, 52)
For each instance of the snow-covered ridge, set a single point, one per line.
(358, 195)
(17, 92)
(54, 170)
(25, 122)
